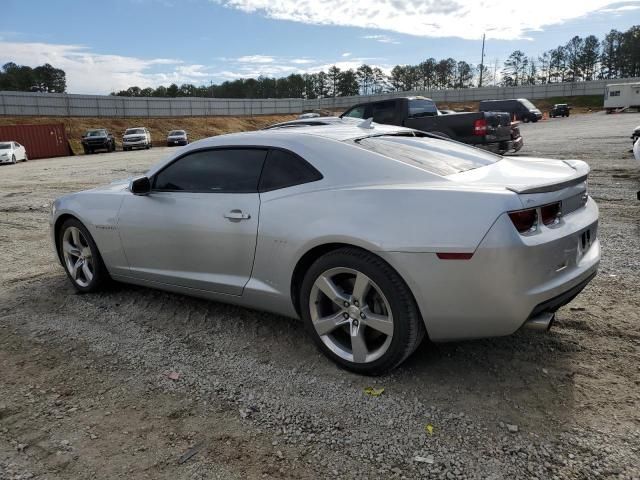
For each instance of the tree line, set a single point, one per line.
(22, 78)
(617, 55)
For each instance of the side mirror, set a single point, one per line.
(140, 186)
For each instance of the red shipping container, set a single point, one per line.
(41, 141)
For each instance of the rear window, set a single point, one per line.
(430, 154)
(422, 108)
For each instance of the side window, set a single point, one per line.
(356, 112)
(384, 112)
(284, 169)
(213, 171)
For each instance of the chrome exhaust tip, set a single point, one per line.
(541, 322)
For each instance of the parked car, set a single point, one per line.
(309, 115)
(519, 108)
(12, 152)
(375, 235)
(98, 139)
(488, 130)
(177, 137)
(138, 137)
(560, 110)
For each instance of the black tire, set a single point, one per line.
(13, 159)
(525, 119)
(100, 274)
(408, 327)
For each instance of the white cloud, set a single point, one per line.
(620, 9)
(95, 73)
(90, 72)
(500, 19)
(256, 59)
(382, 39)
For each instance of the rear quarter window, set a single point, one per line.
(284, 169)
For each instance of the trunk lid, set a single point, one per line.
(537, 181)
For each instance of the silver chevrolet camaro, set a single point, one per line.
(374, 235)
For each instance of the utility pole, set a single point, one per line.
(481, 62)
(495, 73)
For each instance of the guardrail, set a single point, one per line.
(71, 105)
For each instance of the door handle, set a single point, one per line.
(237, 215)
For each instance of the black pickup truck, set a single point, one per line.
(489, 130)
(98, 139)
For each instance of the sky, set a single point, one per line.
(114, 44)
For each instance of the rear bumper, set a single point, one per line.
(508, 280)
(505, 146)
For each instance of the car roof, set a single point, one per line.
(340, 129)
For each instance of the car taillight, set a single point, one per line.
(551, 213)
(525, 221)
(480, 127)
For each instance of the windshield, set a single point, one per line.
(174, 133)
(131, 131)
(96, 133)
(430, 154)
(528, 104)
(5, 146)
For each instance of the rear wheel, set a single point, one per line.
(81, 258)
(360, 312)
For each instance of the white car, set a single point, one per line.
(138, 137)
(12, 152)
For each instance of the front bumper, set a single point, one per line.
(176, 141)
(134, 143)
(506, 280)
(5, 159)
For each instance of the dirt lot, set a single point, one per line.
(85, 387)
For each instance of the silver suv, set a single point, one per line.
(138, 137)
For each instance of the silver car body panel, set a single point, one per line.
(182, 242)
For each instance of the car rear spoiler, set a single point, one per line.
(550, 187)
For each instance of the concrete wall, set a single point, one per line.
(63, 105)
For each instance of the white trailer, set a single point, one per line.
(621, 96)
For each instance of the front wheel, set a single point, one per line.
(81, 258)
(360, 312)
(13, 159)
(525, 119)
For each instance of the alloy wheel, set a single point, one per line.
(78, 258)
(351, 315)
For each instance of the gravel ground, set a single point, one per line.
(137, 383)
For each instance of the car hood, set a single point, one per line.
(526, 174)
(7, 151)
(133, 135)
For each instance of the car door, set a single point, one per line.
(197, 227)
